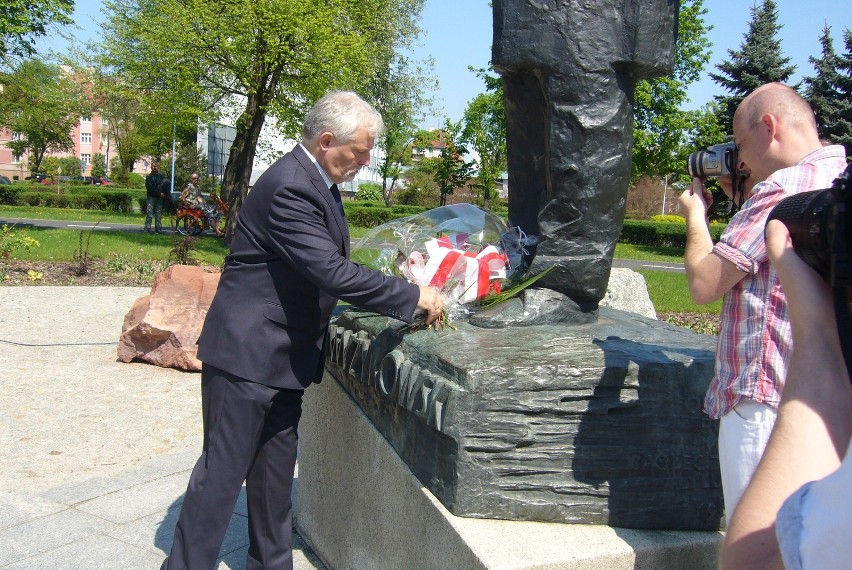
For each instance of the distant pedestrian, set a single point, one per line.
(154, 188)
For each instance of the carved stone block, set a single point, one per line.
(597, 423)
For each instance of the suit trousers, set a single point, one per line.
(250, 434)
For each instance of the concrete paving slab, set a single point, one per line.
(46, 534)
(137, 501)
(97, 552)
(17, 509)
(95, 454)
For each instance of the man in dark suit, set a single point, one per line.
(263, 340)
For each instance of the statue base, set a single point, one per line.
(592, 423)
(359, 506)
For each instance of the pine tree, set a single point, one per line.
(826, 95)
(758, 61)
(842, 128)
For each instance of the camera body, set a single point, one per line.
(820, 225)
(717, 160)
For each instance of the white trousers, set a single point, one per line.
(743, 433)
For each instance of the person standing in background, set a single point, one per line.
(154, 189)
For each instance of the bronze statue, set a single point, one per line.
(569, 68)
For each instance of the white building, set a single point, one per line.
(215, 140)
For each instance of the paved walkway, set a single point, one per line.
(94, 454)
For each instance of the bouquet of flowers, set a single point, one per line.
(468, 254)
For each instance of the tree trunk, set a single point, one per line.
(387, 190)
(235, 180)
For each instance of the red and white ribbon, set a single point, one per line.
(460, 274)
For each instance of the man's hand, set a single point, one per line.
(432, 303)
(696, 199)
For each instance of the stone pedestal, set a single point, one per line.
(595, 423)
(360, 507)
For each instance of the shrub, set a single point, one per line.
(670, 218)
(9, 194)
(118, 201)
(369, 191)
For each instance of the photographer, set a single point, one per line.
(811, 434)
(779, 154)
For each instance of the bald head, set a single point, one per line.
(774, 128)
(779, 100)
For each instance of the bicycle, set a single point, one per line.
(193, 221)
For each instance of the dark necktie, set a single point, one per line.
(336, 193)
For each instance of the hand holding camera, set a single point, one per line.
(820, 228)
(720, 161)
(821, 235)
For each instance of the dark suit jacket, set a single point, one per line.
(287, 267)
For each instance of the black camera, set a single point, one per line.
(820, 228)
(717, 160)
(720, 160)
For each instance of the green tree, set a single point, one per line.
(61, 166)
(844, 116)
(485, 131)
(758, 61)
(119, 105)
(98, 165)
(451, 169)
(420, 188)
(660, 126)
(399, 92)
(829, 95)
(189, 159)
(252, 59)
(21, 21)
(41, 105)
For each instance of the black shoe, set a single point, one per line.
(146, 230)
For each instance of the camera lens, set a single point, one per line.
(696, 164)
(808, 217)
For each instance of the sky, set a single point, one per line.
(458, 34)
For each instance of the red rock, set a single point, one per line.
(162, 328)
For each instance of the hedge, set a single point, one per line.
(371, 214)
(664, 234)
(359, 213)
(103, 200)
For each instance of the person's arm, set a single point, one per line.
(815, 418)
(709, 275)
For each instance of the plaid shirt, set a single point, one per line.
(754, 337)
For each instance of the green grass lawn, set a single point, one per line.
(63, 245)
(668, 291)
(11, 213)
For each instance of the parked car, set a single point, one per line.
(53, 179)
(4, 179)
